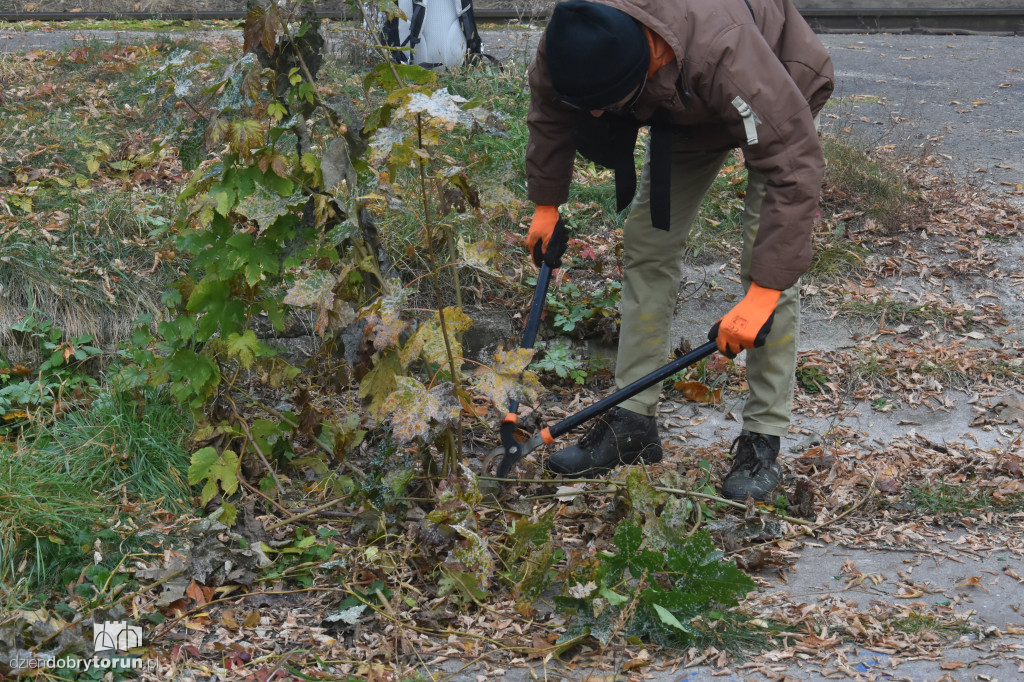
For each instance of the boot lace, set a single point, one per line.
(595, 434)
(744, 450)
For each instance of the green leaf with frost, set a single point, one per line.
(668, 619)
(413, 408)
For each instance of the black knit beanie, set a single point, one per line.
(597, 55)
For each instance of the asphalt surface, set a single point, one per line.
(960, 97)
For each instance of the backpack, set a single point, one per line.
(440, 33)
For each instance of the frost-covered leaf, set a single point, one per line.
(457, 498)
(263, 207)
(349, 615)
(396, 297)
(500, 198)
(480, 255)
(578, 591)
(385, 139)
(509, 379)
(473, 555)
(341, 315)
(703, 577)
(412, 408)
(317, 291)
(440, 105)
(428, 340)
(384, 320)
(456, 509)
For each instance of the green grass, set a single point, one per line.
(144, 25)
(895, 311)
(835, 258)
(919, 623)
(882, 372)
(720, 219)
(961, 500)
(63, 483)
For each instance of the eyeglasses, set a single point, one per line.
(623, 105)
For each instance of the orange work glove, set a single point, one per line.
(548, 238)
(747, 325)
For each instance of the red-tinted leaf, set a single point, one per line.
(411, 408)
(261, 27)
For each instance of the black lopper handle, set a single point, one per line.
(533, 321)
(513, 449)
(655, 377)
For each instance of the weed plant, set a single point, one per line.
(559, 359)
(855, 180)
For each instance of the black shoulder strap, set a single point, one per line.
(661, 176)
(419, 12)
(473, 43)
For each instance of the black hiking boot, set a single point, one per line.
(619, 437)
(754, 469)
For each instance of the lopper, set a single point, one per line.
(512, 450)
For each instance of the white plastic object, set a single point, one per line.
(441, 37)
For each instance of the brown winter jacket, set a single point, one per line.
(763, 53)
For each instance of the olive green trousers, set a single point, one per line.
(650, 288)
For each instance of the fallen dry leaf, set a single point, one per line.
(698, 392)
(973, 581)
